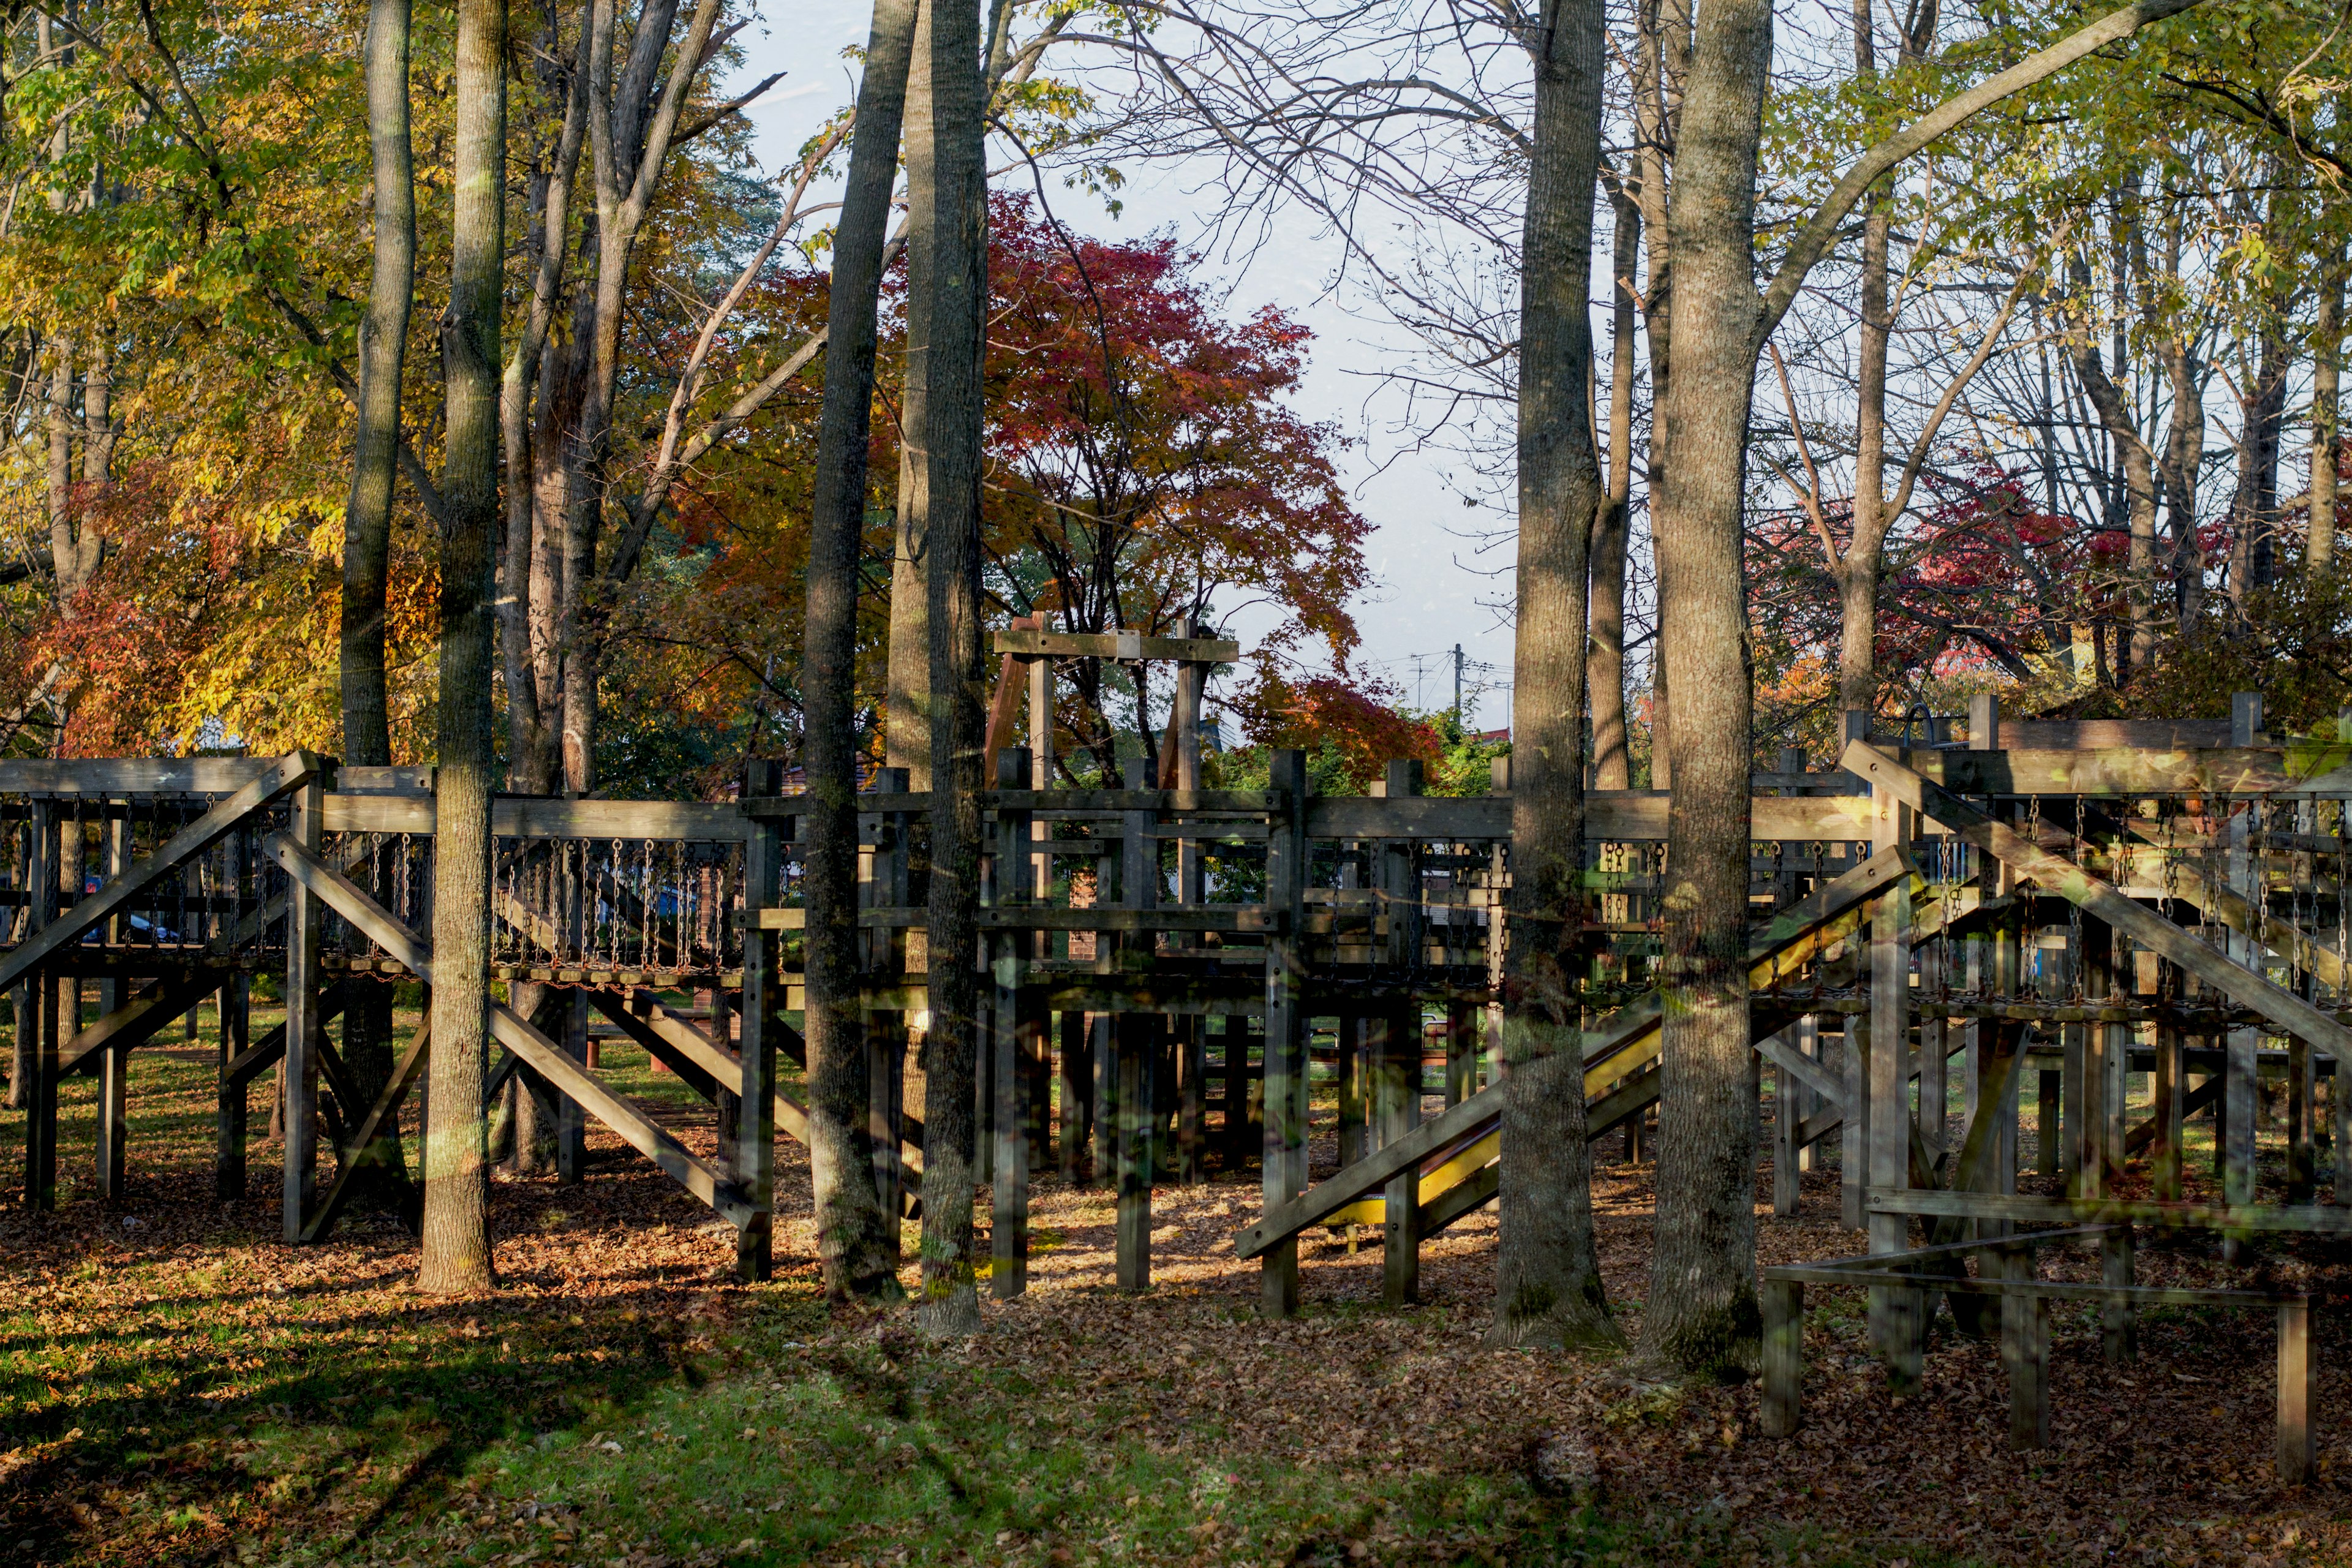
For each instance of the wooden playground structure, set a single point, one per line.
(2079, 908)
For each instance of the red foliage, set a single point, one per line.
(1361, 723)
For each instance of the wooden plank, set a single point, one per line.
(2224, 771)
(132, 775)
(1612, 816)
(2111, 734)
(2315, 1219)
(274, 782)
(524, 817)
(1285, 1106)
(1114, 645)
(2291, 1013)
(305, 1035)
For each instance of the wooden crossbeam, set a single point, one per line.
(280, 779)
(268, 1051)
(2328, 1219)
(534, 1049)
(355, 1154)
(2289, 1014)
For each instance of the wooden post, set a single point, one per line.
(1077, 1096)
(1284, 1175)
(304, 912)
(2025, 1352)
(1399, 1093)
(1787, 1112)
(1191, 1103)
(2164, 1153)
(2118, 1319)
(1136, 1039)
(1895, 1314)
(1935, 1063)
(229, 1130)
(2049, 1135)
(41, 991)
(2301, 1164)
(753, 1158)
(2298, 1386)
(1348, 1036)
(1784, 1357)
(570, 1119)
(1461, 1047)
(1009, 1224)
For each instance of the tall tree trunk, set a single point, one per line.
(65, 549)
(2253, 555)
(1548, 1287)
(1661, 68)
(457, 1250)
(2327, 351)
(958, 273)
(2184, 453)
(856, 1242)
(367, 524)
(1612, 767)
(1702, 1312)
(907, 712)
(2118, 419)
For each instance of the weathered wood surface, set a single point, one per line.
(2289, 1012)
(2324, 1219)
(1032, 643)
(516, 817)
(279, 778)
(2217, 770)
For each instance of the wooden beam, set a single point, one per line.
(275, 782)
(2224, 771)
(1033, 641)
(2289, 1012)
(136, 1021)
(2318, 1219)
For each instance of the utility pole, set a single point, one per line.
(1457, 683)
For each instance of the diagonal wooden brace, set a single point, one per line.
(355, 1155)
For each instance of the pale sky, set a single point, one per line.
(1433, 586)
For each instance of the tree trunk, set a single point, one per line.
(907, 714)
(2116, 414)
(2184, 454)
(1702, 1313)
(1611, 768)
(64, 553)
(1548, 1287)
(456, 1243)
(2326, 347)
(958, 273)
(856, 1242)
(367, 525)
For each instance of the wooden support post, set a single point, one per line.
(886, 1112)
(2118, 1319)
(2025, 1353)
(304, 912)
(571, 1121)
(1935, 1062)
(1398, 1090)
(2302, 1162)
(2073, 1107)
(1077, 1096)
(753, 1161)
(1349, 1066)
(1284, 1175)
(1136, 1035)
(2298, 1386)
(113, 1120)
(2164, 1153)
(1854, 1132)
(1899, 1332)
(1460, 1048)
(2340, 1106)
(1009, 1189)
(1192, 1101)
(1784, 1357)
(2240, 1065)
(2049, 1135)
